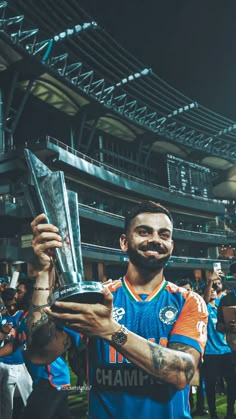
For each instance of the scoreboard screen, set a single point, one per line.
(189, 177)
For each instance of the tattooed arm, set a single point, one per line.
(174, 365)
(45, 341)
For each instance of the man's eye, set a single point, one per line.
(165, 235)
(143, 232)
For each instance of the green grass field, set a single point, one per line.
(220, 407)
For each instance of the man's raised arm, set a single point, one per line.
(45, 340)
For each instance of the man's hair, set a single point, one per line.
(142, 207)
(8, 294)
(28, 283)
(25, 302)
(185, 281)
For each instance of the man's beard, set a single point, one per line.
(23, 303)
(147, 263)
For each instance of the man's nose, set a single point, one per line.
(154, 237)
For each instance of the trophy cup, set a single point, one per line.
(47, 193)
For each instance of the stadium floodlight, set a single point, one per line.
(102, 94)
(75, 30)
(224, 131)
(185, 108)
(159, 122)
(47, 44)
(144, 72)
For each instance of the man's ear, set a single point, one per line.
(123, 242)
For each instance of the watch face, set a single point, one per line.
(120, 337)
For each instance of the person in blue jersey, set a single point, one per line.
(224, 324)
(200, 408)
(13, 372)
(218, 357)
(145, 340)
(49, 398)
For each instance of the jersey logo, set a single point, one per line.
(168, 314)
(118, 313)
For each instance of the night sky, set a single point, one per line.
(190, 44)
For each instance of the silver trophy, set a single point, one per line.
(47, 193)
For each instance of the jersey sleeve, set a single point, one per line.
(76, 336)
(191, 326)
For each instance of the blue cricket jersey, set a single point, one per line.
(16, 357)
(57, 372)
(216, 343)
(120, 389)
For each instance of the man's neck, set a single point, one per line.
(143, 281)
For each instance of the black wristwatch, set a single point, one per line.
(120, 337)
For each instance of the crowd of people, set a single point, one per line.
(145, 343)
(218, 363)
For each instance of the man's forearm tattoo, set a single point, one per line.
(41, 329)
(186, 362)
(33, 321)
(167, 364)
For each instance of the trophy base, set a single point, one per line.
(89, 292)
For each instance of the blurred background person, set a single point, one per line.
(15, 378)
(218, 357)
(200, 401)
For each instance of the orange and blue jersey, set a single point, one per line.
(16, 358)
(119, 388)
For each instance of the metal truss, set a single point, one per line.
(174, 125)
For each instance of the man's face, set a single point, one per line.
(213, 294)
(218, 285)
(3, 285)
(187, 287)
(20, 292)
(11, 306)
(148, 242)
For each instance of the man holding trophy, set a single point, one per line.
(145, 335)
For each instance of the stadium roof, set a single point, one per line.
(186, 44)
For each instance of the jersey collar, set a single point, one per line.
(135, 297)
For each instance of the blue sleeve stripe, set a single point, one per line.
(186, 340)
